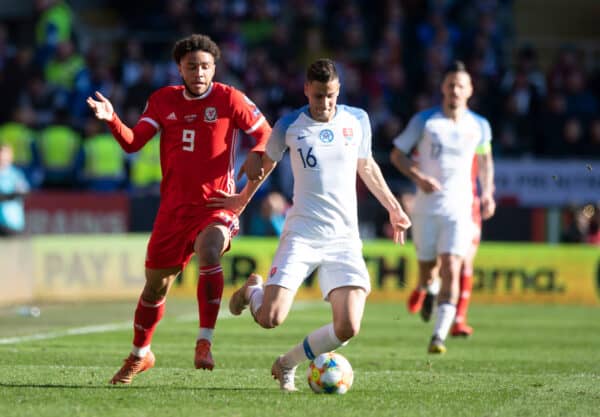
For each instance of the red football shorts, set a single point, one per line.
(172, 240)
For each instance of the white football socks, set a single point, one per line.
(205, 333)
(320, 341)
(434, 287)
(140, 352)
(254, 294)
(445, 318)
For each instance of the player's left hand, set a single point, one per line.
(488, 206)
(400, 223)
(252, 167)
(233, 202)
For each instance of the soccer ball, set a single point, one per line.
(330, 373)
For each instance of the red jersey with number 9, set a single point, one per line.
(198, 140)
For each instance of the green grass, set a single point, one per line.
(522, 361)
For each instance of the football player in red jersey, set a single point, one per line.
(198, 123)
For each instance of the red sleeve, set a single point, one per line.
(261, 135)
(249, 118)
(131, 140)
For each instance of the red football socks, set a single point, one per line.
(147, 316)
(466, 284)
(209, 292)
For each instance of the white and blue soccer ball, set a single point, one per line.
(330, 373)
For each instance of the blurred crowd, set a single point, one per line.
(390, 53)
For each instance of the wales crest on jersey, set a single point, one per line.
(210, 114)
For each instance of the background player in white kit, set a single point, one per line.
(446, 139)
(328, 145)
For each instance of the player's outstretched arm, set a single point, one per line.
(370, 173)
(131, 140)
(237, 202)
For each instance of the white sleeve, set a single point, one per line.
(413, 133)
(364, 151)
(276, 145)
(486, 132)
(485, 141)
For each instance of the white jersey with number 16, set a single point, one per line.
(324, 159)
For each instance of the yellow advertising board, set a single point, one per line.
(16, 279)
(96, 267)
(504, 272)
(564, 274)
(112, 266)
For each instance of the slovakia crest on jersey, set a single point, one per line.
(348, 133)
(326, 136)
(210, 115)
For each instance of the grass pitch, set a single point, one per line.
(522, 361)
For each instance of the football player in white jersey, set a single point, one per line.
(446, 139)
(329, 144)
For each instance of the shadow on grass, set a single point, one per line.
(131, 387)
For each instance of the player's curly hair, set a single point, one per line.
(195, 42)
(322, 70)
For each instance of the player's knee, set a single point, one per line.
(269, 320)
(209, 255)
(154, 293)
(263, 321)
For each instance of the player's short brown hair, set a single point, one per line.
(322, 70)
(455, 66)
(195, 42)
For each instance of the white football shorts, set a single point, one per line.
(434, 235)
(340, 264)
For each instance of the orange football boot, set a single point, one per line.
(415, 300)
(132, 366)
(203, 358)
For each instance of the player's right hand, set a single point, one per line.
(232, 202)
(252, 167)
(103, 109)
(429, 185)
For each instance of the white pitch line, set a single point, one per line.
(111, 327)
(101, 328)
